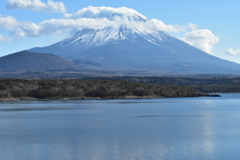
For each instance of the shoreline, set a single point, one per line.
(8, 99)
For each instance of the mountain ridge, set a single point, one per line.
(30, 61)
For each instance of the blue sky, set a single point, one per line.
(212, 26)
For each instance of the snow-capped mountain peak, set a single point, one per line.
(104, 25)
(121, 39)
(99, 37)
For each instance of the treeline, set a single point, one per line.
(177, 80)
(47, 89)
(206, 85)
(218, 88)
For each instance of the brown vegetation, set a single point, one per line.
(87, 89)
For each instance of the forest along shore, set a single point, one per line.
(29, 90)
(203, 83)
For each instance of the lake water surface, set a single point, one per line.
(150, 129)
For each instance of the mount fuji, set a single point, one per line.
(127, 43)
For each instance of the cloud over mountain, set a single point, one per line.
(37, 5)
(106, 12)
(202, 39)
(123, 15)
(232, 52)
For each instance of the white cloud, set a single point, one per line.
(37, 5)
(202, 39)
(105, 12)
(8, 22)
(19, 29)
(192, 26)
(232, 52)
(91, 17)
(159, 25)
(48, 27)
(5, 39)
(57, 26)
(123, 15)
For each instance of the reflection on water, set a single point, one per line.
(177, 128)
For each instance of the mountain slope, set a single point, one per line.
(30, 61)
(131, 46)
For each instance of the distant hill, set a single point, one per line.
(26, 61)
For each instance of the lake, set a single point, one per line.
(146, 129)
